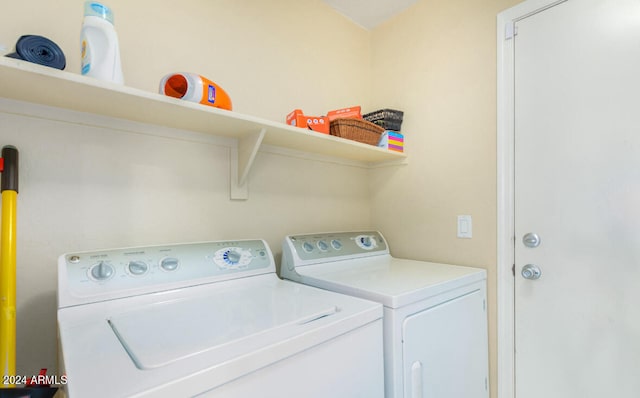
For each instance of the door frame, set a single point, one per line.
(505, 189)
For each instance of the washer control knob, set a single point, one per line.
(336, 244)
(366, 242)
(137, 267)
(169, 263)
(322, 245)
(232, 258)
(101, 271)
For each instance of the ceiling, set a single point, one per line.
(369, 13)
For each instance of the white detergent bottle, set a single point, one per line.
(100, 49)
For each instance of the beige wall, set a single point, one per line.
(271, 57)
(437, 62)
(86, 187)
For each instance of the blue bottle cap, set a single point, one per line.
(95, 9)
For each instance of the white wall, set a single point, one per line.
(88, 182)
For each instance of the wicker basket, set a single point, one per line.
(389, 119)
(357, 130)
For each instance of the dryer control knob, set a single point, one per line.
(323, 246)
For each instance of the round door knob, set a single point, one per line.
(531, 271)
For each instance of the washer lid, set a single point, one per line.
(388, 280)
(224, 322)
(204, 335)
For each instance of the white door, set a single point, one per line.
(577, 186)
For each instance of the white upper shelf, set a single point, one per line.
(24, 81)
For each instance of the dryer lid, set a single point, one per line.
(391, 281)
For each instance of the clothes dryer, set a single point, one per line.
(210, 319)
(435, 315)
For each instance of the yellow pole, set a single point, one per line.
(8, 284)
(9, 190)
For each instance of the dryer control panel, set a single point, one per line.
(332, 246)
(114, 273)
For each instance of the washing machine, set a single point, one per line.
(435, 315)
(210, 319)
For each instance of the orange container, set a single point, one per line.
(319, 124)
(195, 88)
(345, 113)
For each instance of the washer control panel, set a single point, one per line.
(329, 246)
(147, 268)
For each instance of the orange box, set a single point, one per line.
(293, 115)
(345, 113)
(319, 124)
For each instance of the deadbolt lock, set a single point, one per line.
(531, 240)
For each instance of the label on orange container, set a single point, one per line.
(212, 94)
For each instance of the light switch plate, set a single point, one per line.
(465, 227)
